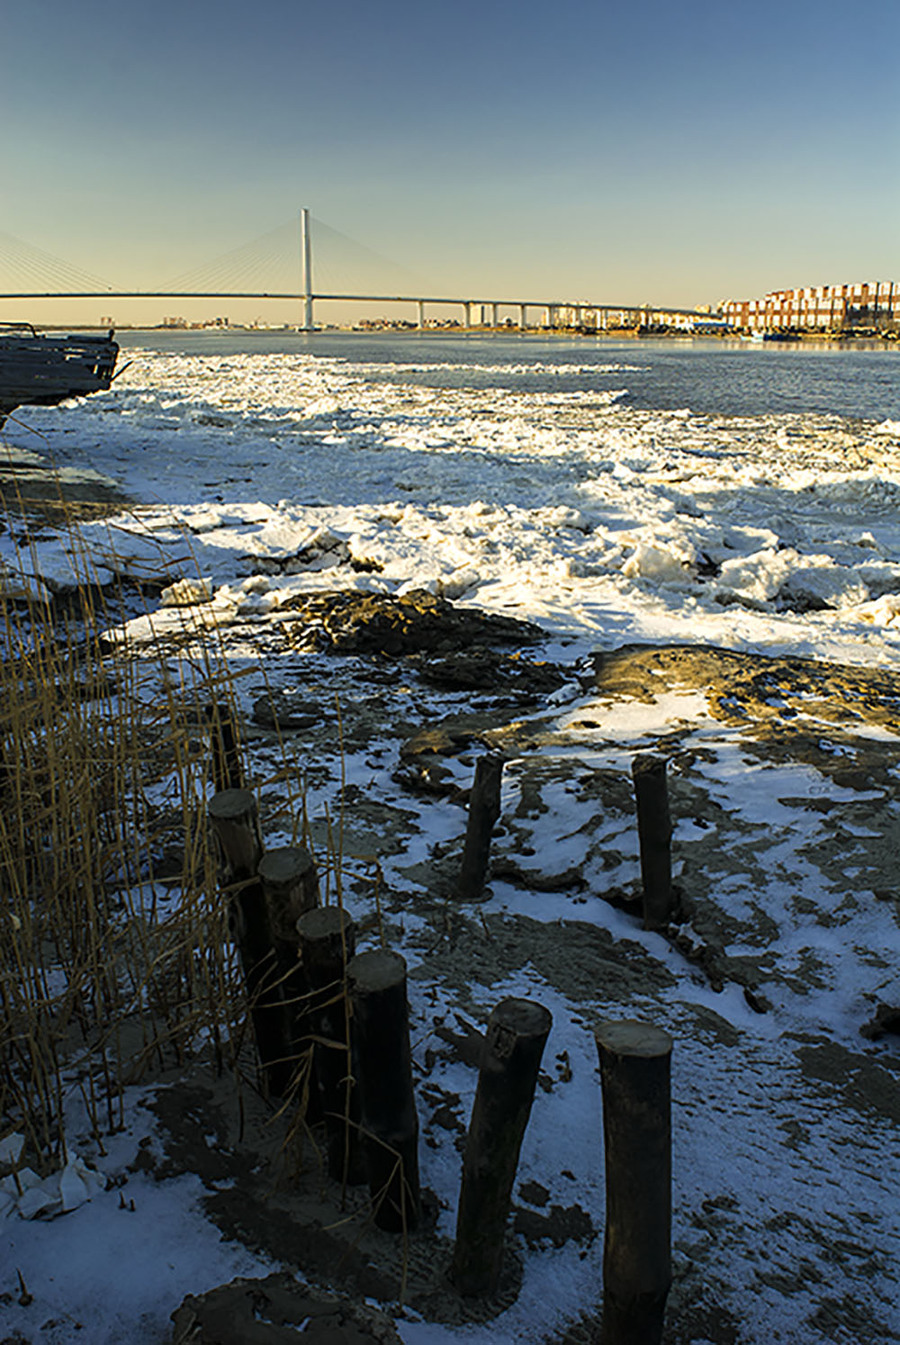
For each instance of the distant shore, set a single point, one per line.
(883, 339)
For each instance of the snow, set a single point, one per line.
(292, 463)
(260, 475)
(115, 1268)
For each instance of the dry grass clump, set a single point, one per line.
(114, 950)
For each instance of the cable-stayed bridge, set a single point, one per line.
(279, 266)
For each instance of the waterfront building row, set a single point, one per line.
(871, 305)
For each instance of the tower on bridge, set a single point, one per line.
(306, 269)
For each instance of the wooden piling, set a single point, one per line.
(235, 823)
(290, 886)
(484, 809)
(377, 983)
(327, 938)
(655, 836)
(635, 1068)
(227, 771)
(511, 1058)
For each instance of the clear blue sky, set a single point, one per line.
(647, 150)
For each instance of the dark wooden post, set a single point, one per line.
(635, 1068)
(377, 982)
(655, 835)
(227, 772)
(327, 944)
(235, 824)
(290, 887)
(484, 809)
(511, 1058)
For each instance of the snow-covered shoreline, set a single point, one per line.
(265, 473)
(264, 477)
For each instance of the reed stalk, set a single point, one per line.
(114, 951)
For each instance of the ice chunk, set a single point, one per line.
(758, 577)
(187, 593)
(11, 1147)
(662, 564)
(42, 1200)
(812, 587)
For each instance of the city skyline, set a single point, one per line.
(664, 154)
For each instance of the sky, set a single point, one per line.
(648, 152)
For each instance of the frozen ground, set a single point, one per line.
(728, 546)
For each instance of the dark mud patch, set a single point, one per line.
(866, 1085)
(267, 1189)
(485, 950)
(348, 622)
(451, 648)
(276, 1311)
(767, 694)
(33, 489)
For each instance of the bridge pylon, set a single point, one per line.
(306, 269)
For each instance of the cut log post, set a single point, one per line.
(511, 1058)
(484, 809)
(390, 1127)
(235, 824)
(290, 886)
(227, 771)
(655, 837)
(327, 944)
(635, 1069)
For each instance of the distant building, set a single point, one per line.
(872, 305)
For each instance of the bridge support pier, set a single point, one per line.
(306, 263)
(421, 304)
(523, 323)
(495, 321)
(468, 307)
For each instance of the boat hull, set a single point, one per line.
(45, 370)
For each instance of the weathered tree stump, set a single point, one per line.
(511, 1058)
(635, 1067)
(327, 944)
(235, 824)
(227, 770)
(377, 982)
(484, 809)
(655, 836)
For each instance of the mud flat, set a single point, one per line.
(31, 486)
(783, 784)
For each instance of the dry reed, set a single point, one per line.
(114, 949)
